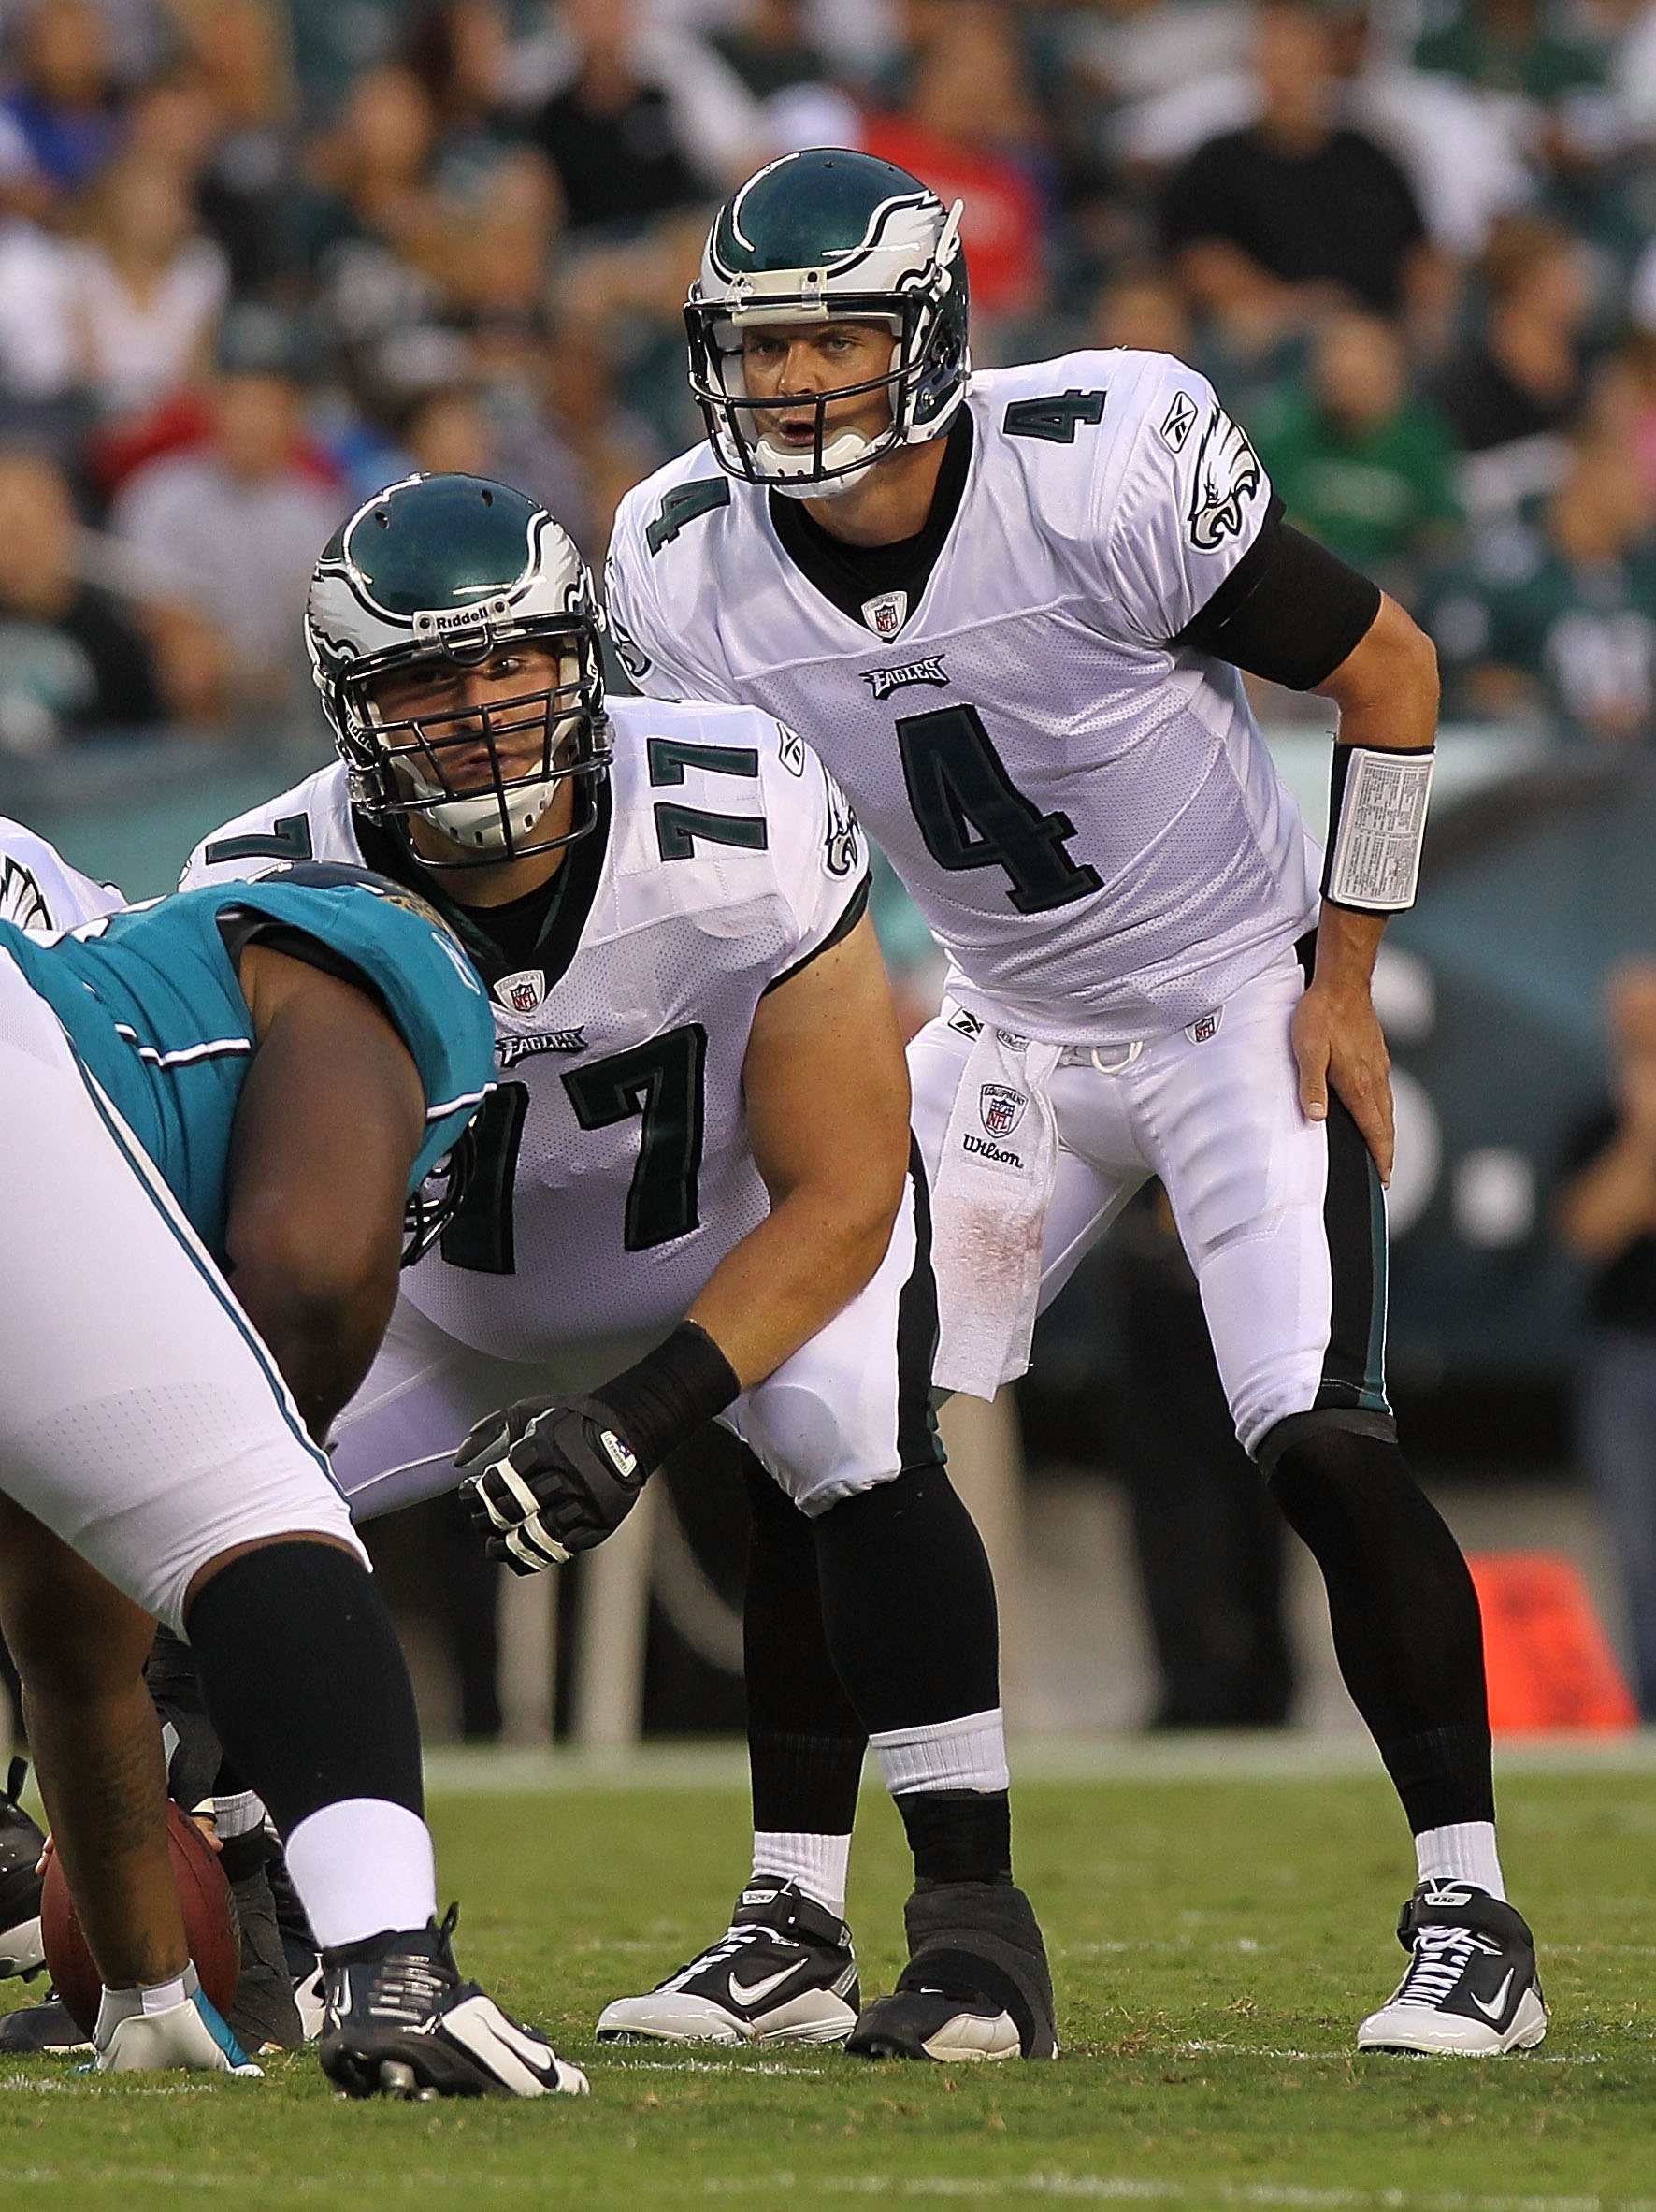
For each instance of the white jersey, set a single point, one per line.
(1082, 809)
(39, 889)
(614, 1170)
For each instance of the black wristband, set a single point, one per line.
(670, 1393)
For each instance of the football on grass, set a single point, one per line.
(210, 1921)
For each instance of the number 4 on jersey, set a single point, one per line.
(971, 815)
(1053, 418)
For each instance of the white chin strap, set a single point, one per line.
(787, 470)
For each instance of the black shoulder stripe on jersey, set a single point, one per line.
(856, 908)
(1289, 610)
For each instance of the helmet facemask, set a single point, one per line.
(923, 386)
(484, 775)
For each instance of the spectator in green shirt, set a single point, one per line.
(1569, 629)
(1361, 464)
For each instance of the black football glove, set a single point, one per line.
(546, 1478)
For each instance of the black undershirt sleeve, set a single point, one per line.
(241, 926)
(1289, 610)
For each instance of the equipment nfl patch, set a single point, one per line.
(523, 992)
(887, 613)
(1000, 1108)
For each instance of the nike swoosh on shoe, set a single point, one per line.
(748, 1995)
(1497, 2005)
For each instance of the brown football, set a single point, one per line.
(210, 1921)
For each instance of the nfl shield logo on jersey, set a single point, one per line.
(1002, 1108)
(523, 992)
(887, 613)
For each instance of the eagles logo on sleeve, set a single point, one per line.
(839, 846)
(22, 900)
(1227, 476)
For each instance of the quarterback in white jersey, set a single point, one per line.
(696, 1159)
(1013, 611)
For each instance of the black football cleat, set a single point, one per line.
(782, 1972)
(22, 1843)
(45, 2030)
(265, 2016)
(401, 2023)
(977, 1986)
(1470, 1989)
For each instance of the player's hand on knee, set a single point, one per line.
(547, 1477)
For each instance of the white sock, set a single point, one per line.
(362, 1866)
(1462, 1852)
(965, 1754)
(818, 1864)
(126, 2005)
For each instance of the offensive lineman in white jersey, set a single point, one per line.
(696, 1169)
(1011, 610)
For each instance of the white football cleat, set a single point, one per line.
(782, 1972)
(1470, 1989)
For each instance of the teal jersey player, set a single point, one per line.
(150, 1000)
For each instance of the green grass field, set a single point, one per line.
(1214, 1943)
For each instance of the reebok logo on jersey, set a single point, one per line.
(967, 1024)
(1178, 422)
(1228, 474)
(883, 682)
(790, 749)
(1000, 1108)
(510, 1050)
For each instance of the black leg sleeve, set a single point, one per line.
(1403, 1612)
(909, 1603)
(805, 1743)
(304, 1681)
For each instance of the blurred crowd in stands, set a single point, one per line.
(256, 256)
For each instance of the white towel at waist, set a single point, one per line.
(988, 1201)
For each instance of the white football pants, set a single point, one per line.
(850, 1410)
(141, 1418)
(1281, 1218)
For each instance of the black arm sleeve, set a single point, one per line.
(1289, 610)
